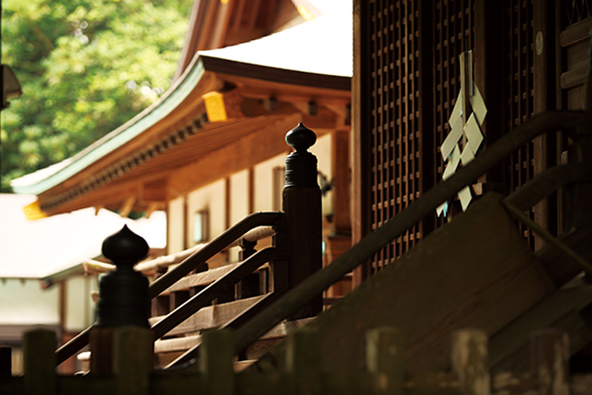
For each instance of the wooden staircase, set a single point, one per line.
(476, 271)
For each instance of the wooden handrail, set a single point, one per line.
(151, 266)
(199, 258)
(548, 181)
(196, 260)
(417, 210)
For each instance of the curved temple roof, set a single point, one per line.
(317, 54)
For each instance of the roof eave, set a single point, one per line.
(122, 135)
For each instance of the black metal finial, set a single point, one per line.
(301, 165)
(301, 138)
(123, 293)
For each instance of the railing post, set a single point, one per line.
(303, 362)
(132, 360)
(469, 361)
(251, 285)
(215, 361)
(302, 205)
(123, 298)
(549, 350)
(384, 359)
(39, 362)
(5, 362)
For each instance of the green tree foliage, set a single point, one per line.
(85, 67)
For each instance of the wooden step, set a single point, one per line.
(167, 350)
(203, 279)
(210, 316)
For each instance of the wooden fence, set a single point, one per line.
(215, 372)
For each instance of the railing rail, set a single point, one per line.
(152, 266)
(196, 261)
(199, 258)
(290, 302)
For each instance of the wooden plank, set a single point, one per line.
(201, 279)
(204, 278)
(560, 269)
(573, 34)
(558, 310)
(176, 344)
(575, 76)
(211, 316)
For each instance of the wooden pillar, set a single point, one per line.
(39, 362)
(469, 360)
(303, 362)
(132, 360)
(215, 361)
(123, 298)
(384, 358)
(5, 362)
(549, 350)
(302, 205)
(251, 284)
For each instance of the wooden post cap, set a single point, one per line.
(301, 165)
(125, 248)
(123, 293)
(301, 138)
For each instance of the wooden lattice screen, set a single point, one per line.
(406, 81)
(395, 152)
(518, 80)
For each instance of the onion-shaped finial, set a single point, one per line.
(125, 247)
(301, 138)
(123, 293)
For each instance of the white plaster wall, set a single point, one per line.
(212, 198)
(239, 196)
(24, 302)
(239, 204)
(263, 182)
(175, 225)
(322, 150)
(79, 305)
